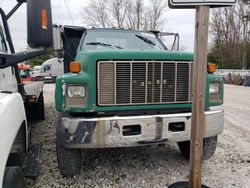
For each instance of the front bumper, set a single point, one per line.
(109, 132)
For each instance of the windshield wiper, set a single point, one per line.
(146, 40)
(6, 91)
(103, 44)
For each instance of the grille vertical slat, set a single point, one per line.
(122, 83)
(138, 82)
(161, 82)
(141, 82)
(190, 81)
(168, 88)
(106, 83)
(157, 82)
(150, 83)
(182, 92)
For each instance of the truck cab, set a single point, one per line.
(124, 88)
(18, 101)
(24, 72)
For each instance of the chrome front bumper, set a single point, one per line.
(154, 129)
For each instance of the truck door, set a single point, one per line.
(7, 76)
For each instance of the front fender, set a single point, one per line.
(12, 117)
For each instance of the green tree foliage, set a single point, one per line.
(40, 59)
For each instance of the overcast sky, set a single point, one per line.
(181, 21)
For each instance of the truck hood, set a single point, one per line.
(3, 95)
(135, 55)
(4, 98)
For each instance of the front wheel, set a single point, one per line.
(39, 78)
(35, 111)
(69, 160)
(209, 147)
(13, 178)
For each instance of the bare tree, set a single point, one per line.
(134, 14)
(130, 16)
(231, 35)
(96, 14)
(156, 10)
(138, 12)
(119, 10)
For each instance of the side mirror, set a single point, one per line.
(39, 23)
(176, 43)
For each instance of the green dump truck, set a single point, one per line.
(124, 88)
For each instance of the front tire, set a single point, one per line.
(13, 178)
(209, 147)
(39, 78)
(69, 160)
(35, 111)
(40, 114)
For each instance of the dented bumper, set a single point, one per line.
(129, 131)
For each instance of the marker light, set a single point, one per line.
(75, 67)
(44, 19)
(211, 67)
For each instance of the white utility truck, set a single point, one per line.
(49, 70)
(18, 101)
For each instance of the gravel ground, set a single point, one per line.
(153, 166)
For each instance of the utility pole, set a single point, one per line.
(198, 95)
(199, 82)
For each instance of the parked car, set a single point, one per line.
(247, 83)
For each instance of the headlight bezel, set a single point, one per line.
(215, 96)
(83, 87)
(216, 89)
(78, 101)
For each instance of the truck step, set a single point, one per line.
(31, 163)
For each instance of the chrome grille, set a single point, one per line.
(141, 82)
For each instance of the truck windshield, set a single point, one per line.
(120, 39)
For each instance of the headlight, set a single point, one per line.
(214, 88)
(76, 91)
(215, 92)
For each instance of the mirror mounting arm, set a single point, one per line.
(14, 9)
(7, 60)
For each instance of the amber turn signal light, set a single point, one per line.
(75, 67)
(211, 67)
(44, 19)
